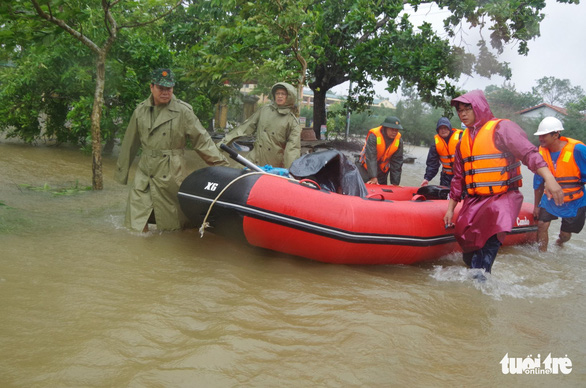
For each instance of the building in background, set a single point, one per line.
(543, 110)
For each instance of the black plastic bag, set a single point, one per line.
(331, 170)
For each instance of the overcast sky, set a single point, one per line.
(560, 51)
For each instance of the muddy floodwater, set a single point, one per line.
(86, 303)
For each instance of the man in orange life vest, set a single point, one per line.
(442, 153)
(382, 154)
(487, 167)
(566, 159)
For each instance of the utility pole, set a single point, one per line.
(348, 113)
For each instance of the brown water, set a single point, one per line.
(86, 303)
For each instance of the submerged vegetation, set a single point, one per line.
(72, 189)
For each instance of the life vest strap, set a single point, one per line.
(502, 170)
(473, 158)
(571, 179)
(572, 193)
(508, 182)
(570, 185)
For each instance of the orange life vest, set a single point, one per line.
(487, 169)
(383, 153)
(566, 171)
(446, 151)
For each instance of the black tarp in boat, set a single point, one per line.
(331, 170)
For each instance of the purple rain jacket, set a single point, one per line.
(484, 216)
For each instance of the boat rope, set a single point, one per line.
(205, 224)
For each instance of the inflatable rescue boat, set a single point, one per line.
(374, 225)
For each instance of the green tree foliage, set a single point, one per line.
(557, 91)
(333, 41)
(505, 101)
(575, 122)
(56, 79)
(365, 41)
(418, 118)
(226, 43)
(45, 79)
(221, 44)
(360, 122)
(307, 112)
(29, 25)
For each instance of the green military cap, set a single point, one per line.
(163, 77)
(392, 122)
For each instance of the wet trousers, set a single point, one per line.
(483, 257)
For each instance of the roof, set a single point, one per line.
(558, 109)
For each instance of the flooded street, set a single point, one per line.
(86, 303)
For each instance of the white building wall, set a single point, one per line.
(544, 111)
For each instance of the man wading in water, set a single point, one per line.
(161, 125)
(487, 168)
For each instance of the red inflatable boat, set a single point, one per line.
(390, 225)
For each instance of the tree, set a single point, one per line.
(556, 91)
(575, 122)
(418, 118)
(360, 122)
(368, 41)
(505, 100)
(81, 20)
(55, 79)
(291, 30)
(226, 43)
(44, 83)
(363, 41)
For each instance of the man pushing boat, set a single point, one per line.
(487, 169)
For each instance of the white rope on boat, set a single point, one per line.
(205, 224)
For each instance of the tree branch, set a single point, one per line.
(140, 24)
(109, 21)
(378, 25)
(76, 34)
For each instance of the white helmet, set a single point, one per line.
(548, 125)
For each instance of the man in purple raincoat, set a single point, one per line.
(485, 218)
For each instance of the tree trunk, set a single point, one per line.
(319, 111)
(325, 78)
(97, 178)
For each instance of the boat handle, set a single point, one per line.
(309, 183)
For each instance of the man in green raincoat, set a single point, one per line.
(161, 125)
(277, 129)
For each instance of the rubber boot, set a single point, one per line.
(467, 257)
(484, 257)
